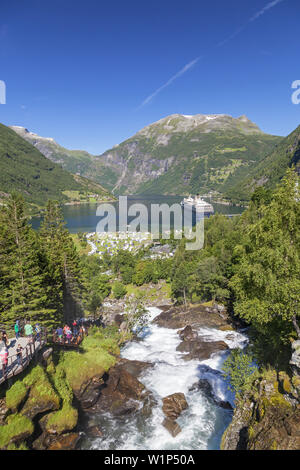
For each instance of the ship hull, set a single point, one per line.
(206, 210)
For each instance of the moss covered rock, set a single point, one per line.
(16, 395)
(42, 397)
(62, 420)
(17, 429)
(265, 419)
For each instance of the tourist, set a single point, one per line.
(4, 358)
(60, 333)
(17, 330)
(66, 328)
(19, 354)
(5, 338)
(69, 335)
(75, 328)
(38, 331)
(29, 331)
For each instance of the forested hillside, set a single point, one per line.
(25, 170)
(271, 169)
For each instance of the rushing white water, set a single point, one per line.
(203, 423)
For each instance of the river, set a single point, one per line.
(83, 218)
(203, 423)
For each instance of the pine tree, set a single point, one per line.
(63, 264)
(23, 294)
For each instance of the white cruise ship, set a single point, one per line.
(198, 204)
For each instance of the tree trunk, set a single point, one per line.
(184, 297)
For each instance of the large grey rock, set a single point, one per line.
(295, 359)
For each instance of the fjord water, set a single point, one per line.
(203, 423)
(82, 217)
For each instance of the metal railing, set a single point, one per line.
(16, 363)
(73, 342)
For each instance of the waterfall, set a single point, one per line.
(203, 423)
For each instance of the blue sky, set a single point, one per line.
(90, 74)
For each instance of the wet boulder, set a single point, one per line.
(94, 431)
(64, 442)
(171, 426)
(89, 391)
(188, 334)
(205, 386)
(196, 316)
(174, 404)
(135, 368)
(199, 349)
(118, 319)
(122, 393)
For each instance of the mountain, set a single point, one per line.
(75, 161)
(23, 168)
(182, 154)
(179, 154)
(78, 162)
(272, 168)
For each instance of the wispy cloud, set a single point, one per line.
(233, 35)
(188, 66)
(266, 8)
(171, 80)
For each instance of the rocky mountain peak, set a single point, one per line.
(177, 123)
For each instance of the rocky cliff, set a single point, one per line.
(268, 417)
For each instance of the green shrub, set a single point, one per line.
(239, 370)
(119, 290)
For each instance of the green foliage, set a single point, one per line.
(271, 169)
(107, 339)
(94, 303)
(136, 316)
(239, 371)
(119, 290)
(24, 169)
(40, 271)
(266, 282)
(23, 290)
(202, 275)
(96, 284)
(62, 265)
